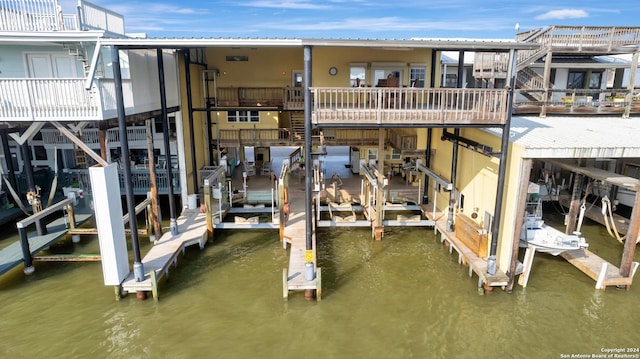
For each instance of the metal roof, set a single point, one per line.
(575, 137)
(440, 44)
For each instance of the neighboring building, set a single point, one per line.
(54, 69)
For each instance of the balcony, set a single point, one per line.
(403, 140)
(287, 98)
(577, 102)
(27, 99)
(408, 106)
(46, 16)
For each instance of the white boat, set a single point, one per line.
(542, 237)
(548, 239)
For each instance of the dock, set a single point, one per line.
(192, 227)
(604, 273)
(465, 255)
(11, 256)
(295, 233)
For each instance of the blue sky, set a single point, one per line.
(372, 19)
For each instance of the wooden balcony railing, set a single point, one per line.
(46, 15)
(577, 101)
(60, 99)
(258, 137)
(397, 106)
(281, 137)
(250, 96)
(591, 39)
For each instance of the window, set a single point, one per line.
(417, 76)
(595, 80)
(372, 154)
(158, 127)
(576, 80)
(357, 76)
(243, 116)
(395, 154)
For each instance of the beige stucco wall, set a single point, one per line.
(477, 181)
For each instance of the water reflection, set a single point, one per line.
(405, 296)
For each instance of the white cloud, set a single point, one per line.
(562, 14)
(285, 4)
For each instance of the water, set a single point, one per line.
(402, 297)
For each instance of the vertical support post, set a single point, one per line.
(26, 251)
(207, 204)
(523, 193)
(378, 229)
(35, 201)
(138, 269)
(194, 163)
(173, 226)
(626, 264)
(283, 209)
(71, 216)
(8, 159)
(209, 138)
(546, 79)
(102, 139)
(502, 170)
(454, 171)
(154, 217)
(574, 207)
(425, 195)
(307, 156)
(631, 85)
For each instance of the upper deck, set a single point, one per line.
(46, 16)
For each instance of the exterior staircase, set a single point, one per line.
(297, 127)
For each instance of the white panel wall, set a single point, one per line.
(113, 242)
(143, 66)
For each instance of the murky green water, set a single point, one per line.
(403, 297)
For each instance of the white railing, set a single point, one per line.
(53, 137)
(95, 17)
(46, 15)
(408, 105)
(134, 134)
(48, 99)
(31, 15)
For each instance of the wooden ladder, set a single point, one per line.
(80, 157)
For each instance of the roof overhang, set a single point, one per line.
(439, 44)
(49, 37)
(575, 136)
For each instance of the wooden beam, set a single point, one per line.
(574, 207)
(626, 264)
(523, 193)
(616, 179)
(65, 131)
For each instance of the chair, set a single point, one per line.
(265, 170)
(249, 168)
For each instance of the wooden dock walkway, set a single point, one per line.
(465, 255)
(295, 233)
(11, 256)
(192, 227)
(604, 273)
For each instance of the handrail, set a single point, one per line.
(45, 212)
(395, 105)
